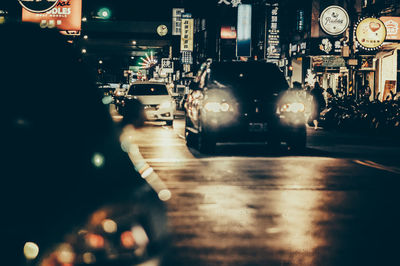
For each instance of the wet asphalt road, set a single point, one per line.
(335, 204)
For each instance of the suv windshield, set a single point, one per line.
(253, 78)
(148, 89)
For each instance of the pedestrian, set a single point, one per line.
(330, 93)
(366, 92)
(297, 86)
(319, 104)
(133, 113)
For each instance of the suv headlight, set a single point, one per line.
(292, 107)
(216, 107)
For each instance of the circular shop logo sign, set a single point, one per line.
(334, 20)
(38, 6)
(370, 33)
(162, 30)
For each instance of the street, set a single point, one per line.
(336, 204)
(316, 83)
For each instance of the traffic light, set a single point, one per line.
(104, 13)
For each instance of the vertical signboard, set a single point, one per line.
(243, 43)
(65, 16)
(187, 35)
(177, 20)
(273, 51)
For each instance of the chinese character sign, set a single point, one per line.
(234, 3)
(187, 35)
(273, 51)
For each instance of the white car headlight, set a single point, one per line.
(165, 105)
(293, 107)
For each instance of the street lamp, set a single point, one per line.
(104, 13)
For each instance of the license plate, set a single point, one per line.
(258, 127)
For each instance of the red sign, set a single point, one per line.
(228, 32)
(66, 16)
(392, 27)
(38, 6)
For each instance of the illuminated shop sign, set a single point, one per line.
(298, 49)
(273, 41)
(325, 46)
(38, 6)
(65, 16)
(234, 3)
(186, 58)
(228, 32)
(243, 44)
(334, 20)
(177, 20)
(370, 33)
(392, 27)
(300, 20)
(187, 35)
(328, 61)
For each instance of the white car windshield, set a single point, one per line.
(148, 89)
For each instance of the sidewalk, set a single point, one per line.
(380, 149)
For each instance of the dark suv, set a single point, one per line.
(243, 101)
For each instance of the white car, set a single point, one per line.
(156, 99)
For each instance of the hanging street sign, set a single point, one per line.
(38, 6)
(334, 20)
(370, 33)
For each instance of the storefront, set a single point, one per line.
(328, 64)
(388, 60)
(387, 71)
(299, 61)
(364, 77)
(379, 70)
